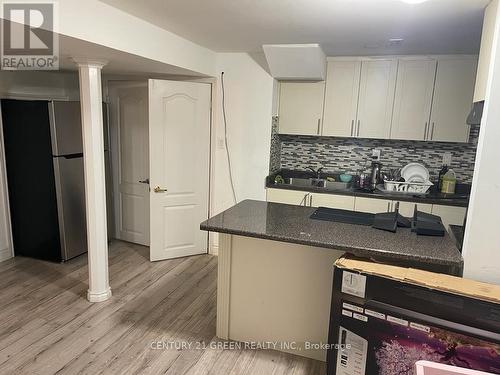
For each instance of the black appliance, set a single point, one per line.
(382, 325)
(45, 178)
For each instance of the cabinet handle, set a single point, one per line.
(319, 125)
(359, 123)
(352, 127)
(304, 200)
(432, 131)
(388, 206)
(425, 131)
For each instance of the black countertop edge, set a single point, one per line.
(360, 252)
(293, 224)
(429, 199)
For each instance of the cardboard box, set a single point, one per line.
(386, 318)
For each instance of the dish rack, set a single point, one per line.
(408, 187)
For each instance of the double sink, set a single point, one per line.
(319, 182)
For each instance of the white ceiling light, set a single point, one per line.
(413, 1)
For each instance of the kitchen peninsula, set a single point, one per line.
(276, 265)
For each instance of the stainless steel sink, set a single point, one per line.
(337, 185)
(302, 182)
(321, 183)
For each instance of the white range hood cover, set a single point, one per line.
(296, 62)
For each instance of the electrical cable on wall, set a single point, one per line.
(225, 138)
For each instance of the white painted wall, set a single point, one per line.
(39, 85)
(482, 238)
(99, 23)
(249, 94)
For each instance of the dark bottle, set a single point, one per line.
(442, 172)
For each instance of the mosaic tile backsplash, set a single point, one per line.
(353, 155)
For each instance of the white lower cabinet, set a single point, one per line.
(342, 202)
(371, 205)
(450, 215)
(299, 198)
(408, 208)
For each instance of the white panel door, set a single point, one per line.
(341, 98)
(412, 105)
(372, 205)
(376, 98)
(179, 138)
(452, 101)
(130, 112)
(301, 107)
(343, 202)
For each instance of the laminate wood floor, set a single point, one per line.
(48, 327)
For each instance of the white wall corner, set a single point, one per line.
(482, 237)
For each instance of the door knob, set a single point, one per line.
(159, 190)
(146, 181)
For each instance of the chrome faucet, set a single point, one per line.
(317, 172)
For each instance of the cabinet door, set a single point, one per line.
(341, 98)
(295, 197)
(301, 107)
(408, 208)
(452, 101)
(376, 98)
(450, 215)
(342, 202)
(372, 205)
(412, 104)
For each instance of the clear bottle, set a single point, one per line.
(442, 172)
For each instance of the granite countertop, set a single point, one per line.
(289, 223)
(457, 233)
(459, 199)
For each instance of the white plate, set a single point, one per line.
(415, 172)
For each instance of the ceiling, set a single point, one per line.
(342, 27)
(118, 62)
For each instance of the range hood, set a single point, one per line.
(296, 62)
(476, 113)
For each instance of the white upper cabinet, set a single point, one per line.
(301, 107)
(341, 98)
(376, 98)
(453, 92)
(413, 99)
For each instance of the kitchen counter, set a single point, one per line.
(275, 270)
(457, 233)
(288, 223)
(459, 199)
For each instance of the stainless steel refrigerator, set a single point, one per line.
(67, 153)
(45, 177)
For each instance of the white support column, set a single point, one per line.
(95, 181)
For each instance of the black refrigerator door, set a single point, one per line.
(30, 178)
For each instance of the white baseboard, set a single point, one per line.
(5, 254)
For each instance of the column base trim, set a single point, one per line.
(99, 297)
